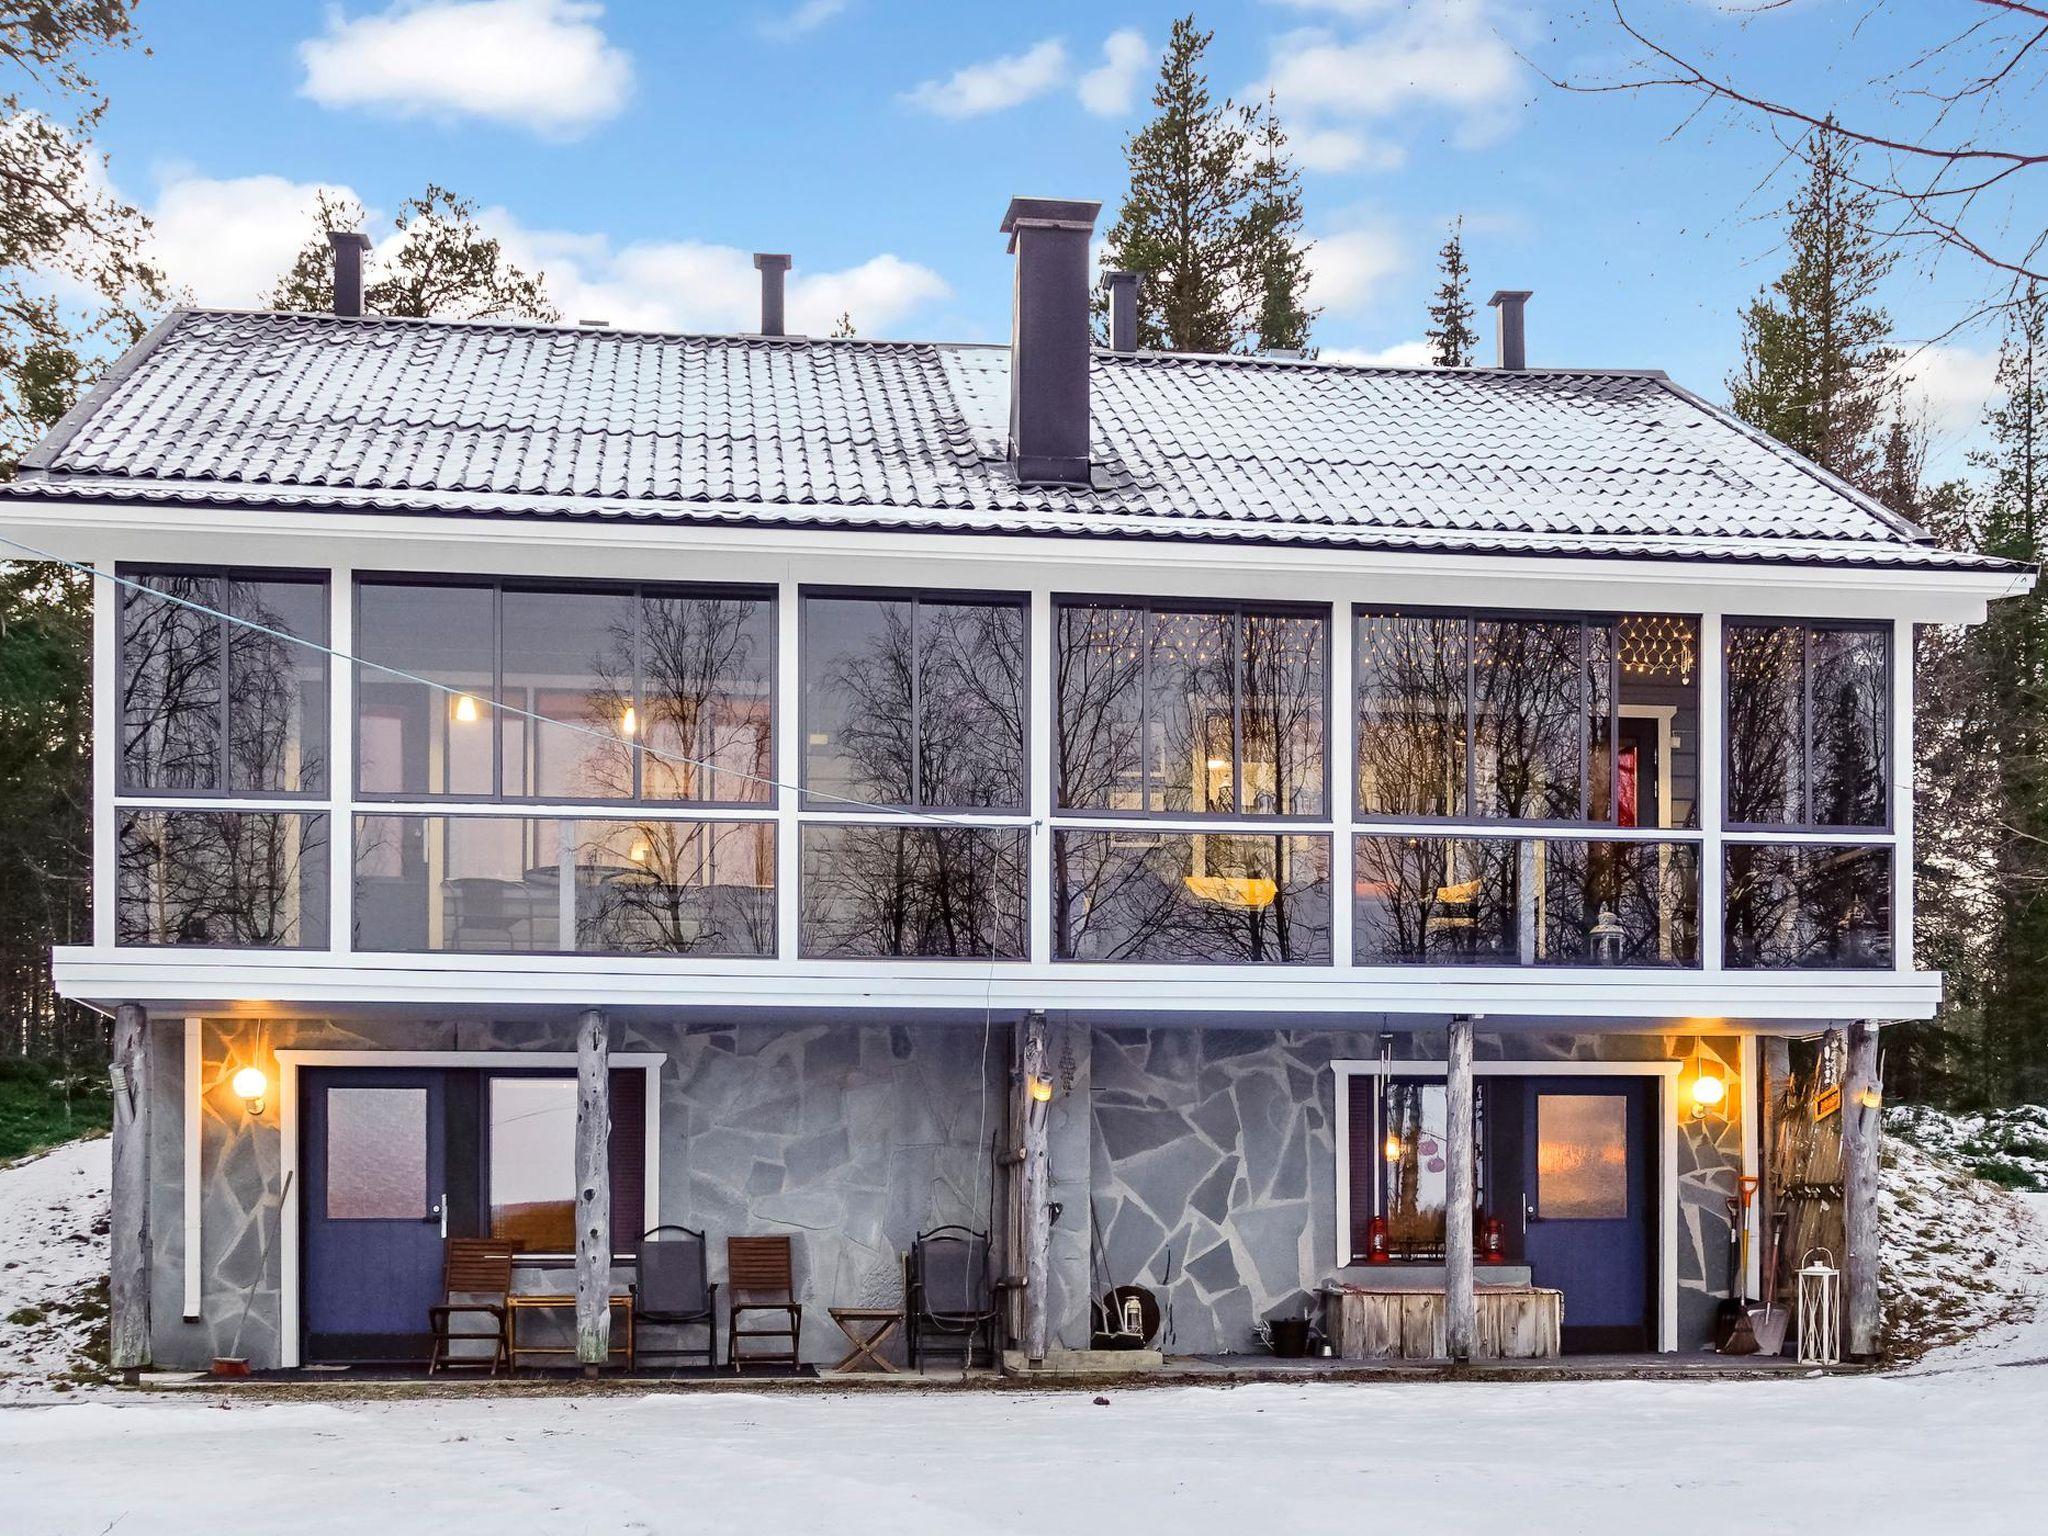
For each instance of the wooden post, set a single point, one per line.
(1035, 1184)
(593, 1190)
(1461, 1305)
(128, 1291)
(1774, 1061)
(1862, 1129)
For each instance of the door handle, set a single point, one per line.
(439, 1210)
(1527, 1213)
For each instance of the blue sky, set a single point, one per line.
(637, 151)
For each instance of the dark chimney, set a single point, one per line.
(771, 268)
(1049, 339)
(349, 246)
(1514, 351)
(1123, 311)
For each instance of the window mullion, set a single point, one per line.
(1234, 644)
(223, 773)
(1145, 632)
(916, 786)
(1471, 628)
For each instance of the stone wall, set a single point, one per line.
(1202, 1160)
(1214, 1170)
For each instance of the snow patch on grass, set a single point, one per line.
(53, 1270)
(1961, 1255)
(2006, 1146)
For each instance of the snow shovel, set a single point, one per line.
(1767, 1319)
(1733, 1334)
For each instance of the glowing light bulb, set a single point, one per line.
(1392, 1149)
(465, 709)
(249, 1086)
(1707, 1091)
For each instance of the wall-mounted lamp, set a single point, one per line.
(1708, 1092)
(250, 1086)
(1040, 1089)
(1870, 1098)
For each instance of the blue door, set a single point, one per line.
(1588, 1182)
(374, 1194)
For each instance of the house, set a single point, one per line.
(1218, 822)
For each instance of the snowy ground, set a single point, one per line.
(53, 1264)
(1954, 1443)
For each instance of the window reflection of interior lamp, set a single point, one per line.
(1253, 893)
(629, 722)
(465, 709)
(639, 851)
(1218, 764)
(1392, 1148)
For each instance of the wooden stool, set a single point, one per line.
(882, 1322)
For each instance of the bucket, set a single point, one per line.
(1289, 1336)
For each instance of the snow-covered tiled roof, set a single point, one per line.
(513, 419)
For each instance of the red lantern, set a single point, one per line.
(1376, 1242)
(1492, 1247)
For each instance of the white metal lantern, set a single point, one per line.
(1820, 1309)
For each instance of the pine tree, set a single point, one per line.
(1452, 341)
(842, 328)
(2013, 670)
(1275, 252)
(1182, 224)
(444, 264)
(1816, 373)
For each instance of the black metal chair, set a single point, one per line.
(674, 1290)
(946, 1295)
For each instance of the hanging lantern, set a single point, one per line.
(1820, 1309)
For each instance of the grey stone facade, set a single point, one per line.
(1203, 1157)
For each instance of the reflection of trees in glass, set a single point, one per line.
(239, 879)
(1766, 731)
(707, 682)
(971, 693)
(1850, 705)
(675, 887)
(1100, 685)
(1804, 906)
(915, 890)
(1416, 1182)
(211, 705)
(1191, 897)
(1411, 683)
(1531, 687)
(1526, 901)
(1190, 711)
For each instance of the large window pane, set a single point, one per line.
(1281, 690)
(1525, 901)
(914, 701)
(1766, 729)
(1530, 686)
(496, 884)
(1411, 684)
(1851, 704)
(1799, 905)
(859, 669)
(229, 879)
(568, 658)
(223, 705)
(706, 692)
(1808, 723)
(1101, 686)
(1656, 776)
(412, 739)
(877, 891)
(171, 712)
(533, 1162)
(971, 690)
(277, 690)
(1191, 711)
(1191, 897)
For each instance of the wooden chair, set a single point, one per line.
(476, 1277)
(675, 1292)
(760, 1269)
(946, 1295)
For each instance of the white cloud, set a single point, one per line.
(1348, 269)
(1949, 385)
(229, 241)
(544, 65)
(1402, 354)
(807, 17)
(1343, 149)
(688, 285)
(994, 85)
(1389, 66)
(1108, 89)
